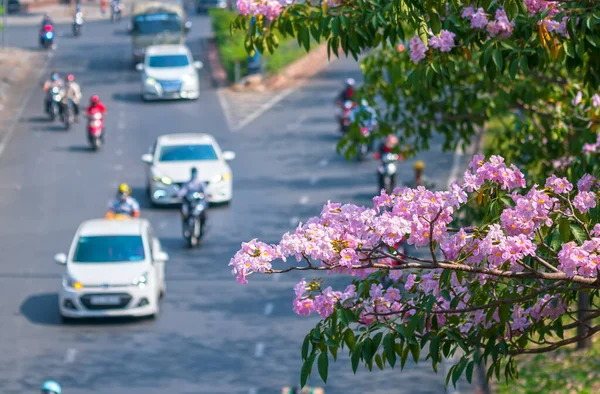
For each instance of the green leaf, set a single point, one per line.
(349, 315)
(350, 340)
(404, 357)
(390, 349)
(306, 369)
(435, 23)
(513, 68)
(304, 37)
(379, 362)
(366, 350)
(469, 371)
(355, 358)
(323, 366)
(498, 59)
(334, 351)
(569, 50)
(523, 62)
(460, 367)
(375, 342)
(556, 241)
(564, 229)
(595, 41)
(434, 349)
(415, 350)
(336, 26)
(504, 313)
(578, 233)
(305, 346)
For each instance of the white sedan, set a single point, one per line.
(114, 268)
(174, 155)
(169, 72)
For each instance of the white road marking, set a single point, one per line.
(314, 180)
(70, 356)
(296, 125)
(118, 167)
(226, 108)
(303, 200)
(121, 125)
(259, 351)
(455, 165)
(253, 391)
(269, 308)
(12, 127)
(323, 162)
(294, 220)
(119, 152)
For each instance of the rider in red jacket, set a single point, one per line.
(95, 105)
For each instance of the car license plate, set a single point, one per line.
(105, 300)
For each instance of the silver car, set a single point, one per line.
(169, 72)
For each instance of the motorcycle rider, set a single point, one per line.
(115, 6)
(124, 204)
(95, 105)
(46, 20)
(73, 93)
(51, 387)
(365, 113)
(348, 92)
(194, 185)
(54, 81)
(390, 142)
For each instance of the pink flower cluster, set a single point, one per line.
(559, 27)
(493, 170)
(539, 6)
(500, 26)
(444, 42)
(270, 9)
(591, 148)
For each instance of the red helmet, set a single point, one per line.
(70, 77)
(94, 99)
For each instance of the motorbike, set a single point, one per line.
(56, 98)
(364, 147)
(47, 37)
(193, 211)
(387, 172)
(77, 24)
(96, 129)
(344, 116)
(115, 12)
(68, 113)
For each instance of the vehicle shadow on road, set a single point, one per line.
(37, 119)
(74, 149)
(42, 309)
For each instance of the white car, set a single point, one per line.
(169, 72)
(172, 159)
(114, 268)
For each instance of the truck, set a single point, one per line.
(155, 23)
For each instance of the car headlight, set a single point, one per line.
(150, 81)
(163, 180)
(187, 79)
(219, 178)
(71, 283)
(141, 280)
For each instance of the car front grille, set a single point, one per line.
(170, 86)
(86, 301)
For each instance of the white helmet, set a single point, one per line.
(350, 82)
(364, 103)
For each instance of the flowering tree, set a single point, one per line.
(505, 286)
(452, 66)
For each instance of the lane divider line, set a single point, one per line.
(70, 356)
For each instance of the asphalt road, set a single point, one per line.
(213, 335)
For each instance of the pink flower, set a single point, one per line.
(417, 49)
(585, 183)
(410, 282)
(559, 185)
(596, 230)
(392, 294)
(596, 101)
(348, 258)
(303, 307)
(300, 288)
(444, 42)
(538, 6)
(577, 99)
(501, 26)
(468, 12)
(479, 19)
(584, 201)
(246, 7)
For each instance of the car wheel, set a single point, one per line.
(65, 319)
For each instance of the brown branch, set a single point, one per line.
(556, 345)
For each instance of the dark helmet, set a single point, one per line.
(194, 172)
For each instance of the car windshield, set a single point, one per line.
(156, 23)
(168, 61)
(187, 153)
(109, 249)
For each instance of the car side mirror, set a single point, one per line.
(147, 158)
(139, 67)
(228, 155)
(198, 65)
(60, 258)
(187, 26)
(162, 256)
